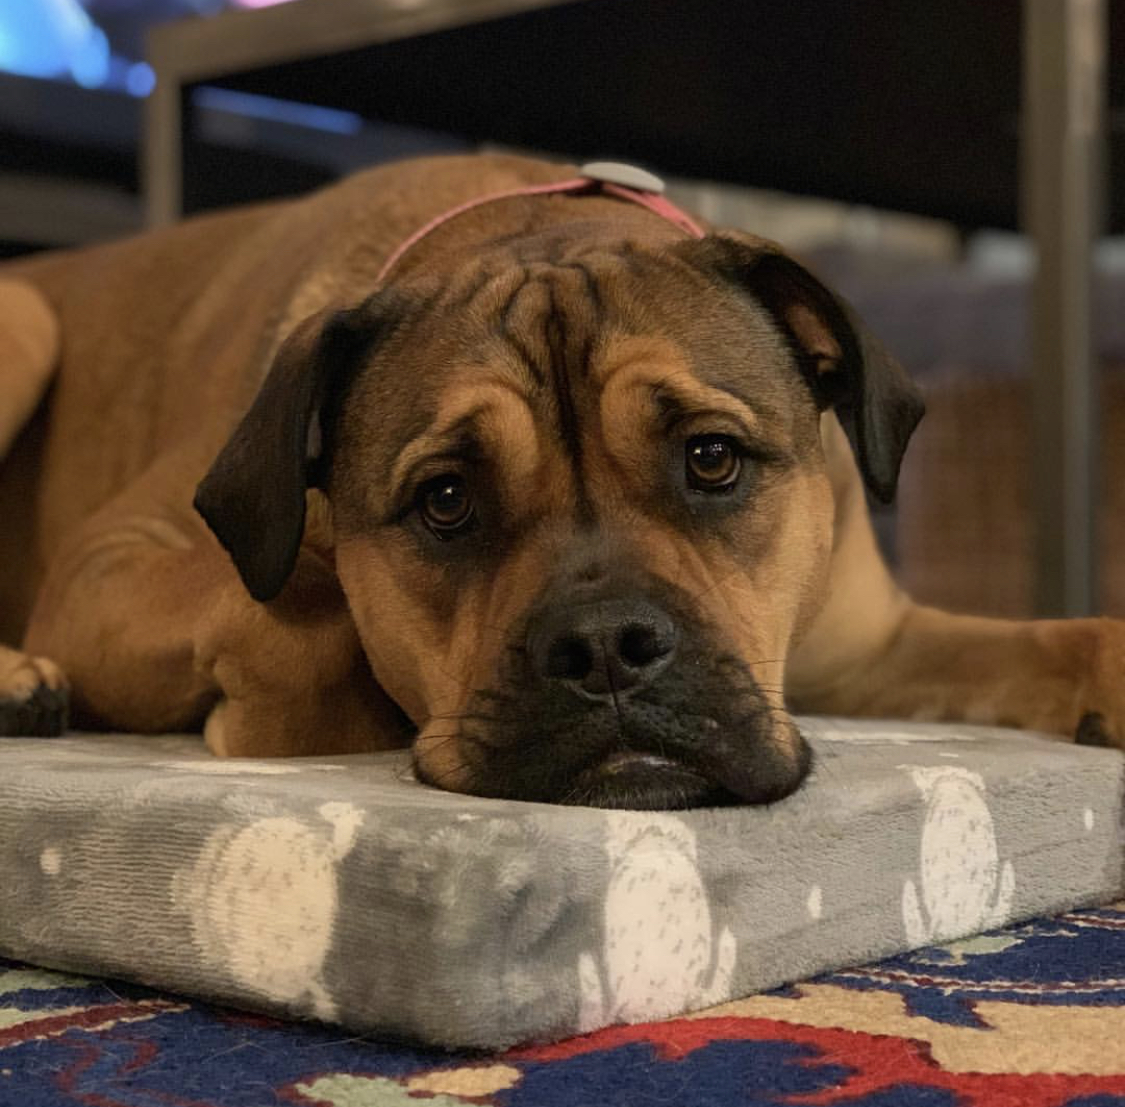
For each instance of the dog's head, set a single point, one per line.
(579, 506)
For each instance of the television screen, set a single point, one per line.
(93, 43)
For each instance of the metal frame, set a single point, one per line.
(1063, 185)
(1062, 201)
(190, 52)
(44, 212)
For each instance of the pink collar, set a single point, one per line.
(609, 178)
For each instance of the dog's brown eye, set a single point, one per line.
(446, 505)
(713, 462)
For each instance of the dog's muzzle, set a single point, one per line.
(621, 699)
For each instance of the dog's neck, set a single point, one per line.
(623, 184)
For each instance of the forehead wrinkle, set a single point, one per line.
(551, 326)
(638, 372)
(690, 395)
(549, 321)
(462, 407)
(676, 382)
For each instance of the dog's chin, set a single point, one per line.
(646, 758)
(645, 782)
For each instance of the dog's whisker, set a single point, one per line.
(439, 779)
(463, 716)
(437, 741)
(721, 582)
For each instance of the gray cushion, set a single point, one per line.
(339, 888)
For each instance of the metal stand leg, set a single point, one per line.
(1063, 206)
(162, 147)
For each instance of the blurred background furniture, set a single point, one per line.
(964, 516)
(906, 106)
(930, 109)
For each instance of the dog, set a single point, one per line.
(525, 469)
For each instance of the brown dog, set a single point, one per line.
(565, 500)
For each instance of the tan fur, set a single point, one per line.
(166, 340)
(29, 346)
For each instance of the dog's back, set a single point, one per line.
(570, 365)
(168, 335)
(122, 384)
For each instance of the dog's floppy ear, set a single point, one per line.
(253, 496)
(847, 368)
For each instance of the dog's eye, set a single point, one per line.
(445, 505)
(712, 462)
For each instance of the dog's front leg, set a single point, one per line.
(1064, 677)
(292, 673)
(873, 651)
(146, 616)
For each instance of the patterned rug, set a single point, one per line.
(1032, 1016)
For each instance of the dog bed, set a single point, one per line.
(341, 889)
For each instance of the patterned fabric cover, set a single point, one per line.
(341, 889)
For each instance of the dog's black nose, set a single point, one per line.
(602, 648)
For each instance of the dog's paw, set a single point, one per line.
(34, 697)
(1102, 701)
(1093, 731)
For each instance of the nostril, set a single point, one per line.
(588, 574)
(569, 659)
(640, 646)
(601, 648)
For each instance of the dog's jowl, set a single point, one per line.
(532, 472)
